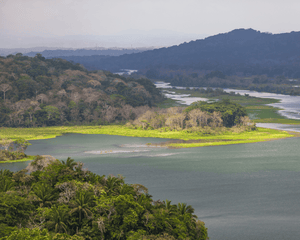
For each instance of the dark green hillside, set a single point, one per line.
(62, 200)
(45, 92)
(241, 51)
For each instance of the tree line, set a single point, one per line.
(217, 79)
(198, 115)
(47, 92)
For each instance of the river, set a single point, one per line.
(289, 105)
(242, 192)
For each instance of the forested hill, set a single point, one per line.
(241, 51)
(44, 92)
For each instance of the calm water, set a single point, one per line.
(242, 192)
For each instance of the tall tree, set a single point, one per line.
(58, 219)
(81, 205)
(4, 88)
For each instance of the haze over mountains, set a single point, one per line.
(126, 39)
(241, 51)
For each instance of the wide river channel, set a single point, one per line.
(242, 192)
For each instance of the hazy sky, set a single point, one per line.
(108, 17)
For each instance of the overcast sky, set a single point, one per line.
(53, 18)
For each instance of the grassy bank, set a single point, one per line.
(224, 137)
(255, 107)
(29, 158)
(268, 114)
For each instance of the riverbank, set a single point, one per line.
(29, 158)
(200, 139)
(260, 110)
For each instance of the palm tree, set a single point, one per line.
(58, 219)
(44, 193)
(6, 184)
(6, 173)
(126, 189)
(182, 209)
(186, 212)
(69, 163)
(113, 184)
(81, 204)
(171, 208)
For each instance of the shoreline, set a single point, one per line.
(181, 138)
(20, 160)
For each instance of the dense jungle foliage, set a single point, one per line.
(230, 113)
(46, 92)
(62, 200)
(198, 115)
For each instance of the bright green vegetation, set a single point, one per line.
(25, 159)
(260, 135)
(61, 200)
(206, 124)
(208, 136)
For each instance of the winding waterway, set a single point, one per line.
(242, 192)
(289, 105)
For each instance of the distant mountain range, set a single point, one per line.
(241, 51)
(88, 52)
(57, 52)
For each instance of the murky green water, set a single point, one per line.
(242, 192)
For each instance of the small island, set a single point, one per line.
(13, 151)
